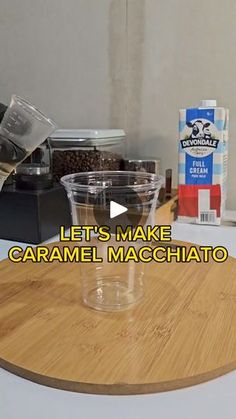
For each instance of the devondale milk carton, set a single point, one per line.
(203, 155)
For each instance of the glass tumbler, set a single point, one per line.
(112, 286)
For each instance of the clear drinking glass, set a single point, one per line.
(111, 286)
(22, 129)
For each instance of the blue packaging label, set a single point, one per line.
(199, 170)
(195, 113)
(198, 143)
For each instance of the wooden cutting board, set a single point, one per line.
(183, 332)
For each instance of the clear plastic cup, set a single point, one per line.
(111, 286)
(22, 129)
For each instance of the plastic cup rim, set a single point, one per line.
(156, 181)
(28, 104)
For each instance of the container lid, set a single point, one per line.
(88, 133)
(86, 137)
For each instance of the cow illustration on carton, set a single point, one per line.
(199, 129)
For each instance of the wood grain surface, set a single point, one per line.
(183, 332)
(166, 213)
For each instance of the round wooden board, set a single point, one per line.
(183, 332)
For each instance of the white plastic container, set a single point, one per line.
(76, 150)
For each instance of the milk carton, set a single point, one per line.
(203, 156)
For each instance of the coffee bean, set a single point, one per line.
(65, 162)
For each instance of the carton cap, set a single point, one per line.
(208, 103)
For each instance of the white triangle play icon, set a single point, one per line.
(116, 209)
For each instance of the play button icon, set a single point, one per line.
(119, 207)
(116, 209)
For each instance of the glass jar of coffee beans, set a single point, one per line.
(75, 151)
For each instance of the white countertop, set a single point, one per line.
(22, 399)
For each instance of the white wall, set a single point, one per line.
(58, 54)
(122, 63)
